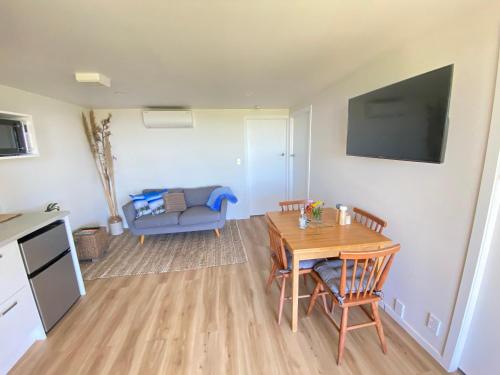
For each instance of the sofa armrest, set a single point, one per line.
(129, 213)
(223, 210)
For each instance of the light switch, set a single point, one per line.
(238, 161)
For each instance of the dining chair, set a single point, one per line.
(281, 260)
(294, 205)
(369, 220)
(357, 282)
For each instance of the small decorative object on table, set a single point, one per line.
(91, 243)
(315, 210)
(343, 214)
(303, 219)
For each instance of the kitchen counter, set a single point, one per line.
(27, 223)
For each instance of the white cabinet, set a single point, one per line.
(12, 273)
(20, 323)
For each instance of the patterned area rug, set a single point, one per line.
(167, 253)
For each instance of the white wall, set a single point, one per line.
(429, 207)
(64, 172)
(204, 155)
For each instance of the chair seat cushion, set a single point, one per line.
(330, 272)
(198, 215)
(154, 221)
(303, 264)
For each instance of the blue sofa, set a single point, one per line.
(196, 217)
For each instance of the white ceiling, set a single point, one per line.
(212, 53)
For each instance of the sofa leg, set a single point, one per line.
(217, 233)
(141, 239)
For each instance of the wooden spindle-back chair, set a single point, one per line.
(294, 205)
(369, 220)
(281, 269)
(362, 276)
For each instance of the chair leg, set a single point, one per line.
(342, 334)
(314, 297)
(141, 239)
(304, 276)
(323, 297)
(378, 324)
(282, 299)
(271, 277)
(217, 233)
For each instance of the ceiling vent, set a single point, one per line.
(171, 119)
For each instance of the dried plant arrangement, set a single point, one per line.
(100, 147)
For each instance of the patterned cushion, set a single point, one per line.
(141, 205)
(174, 202)
(157, 206)
(148, 203)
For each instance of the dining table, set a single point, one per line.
(324, 239)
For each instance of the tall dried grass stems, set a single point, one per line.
(100, 147)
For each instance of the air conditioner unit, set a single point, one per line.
(171, 119)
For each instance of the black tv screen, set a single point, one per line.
(405, 121)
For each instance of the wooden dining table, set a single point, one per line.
(321, 240)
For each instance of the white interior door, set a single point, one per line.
(299, 154)
(267, 163)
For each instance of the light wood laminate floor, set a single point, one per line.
(211, 321)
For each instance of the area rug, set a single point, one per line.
(168, 253)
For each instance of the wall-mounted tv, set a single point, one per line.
(407, 120)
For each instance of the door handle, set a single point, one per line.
(292, 155)
(9, 308)
(282, 154)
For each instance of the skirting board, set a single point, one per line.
(415, 335)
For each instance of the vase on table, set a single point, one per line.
(315, 209)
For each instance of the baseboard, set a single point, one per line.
(415, 335)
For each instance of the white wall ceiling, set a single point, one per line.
(231, 54)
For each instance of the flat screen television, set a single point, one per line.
(407, 120)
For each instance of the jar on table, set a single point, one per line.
(342, 214)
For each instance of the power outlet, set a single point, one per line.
(399, 308)
(434, 324)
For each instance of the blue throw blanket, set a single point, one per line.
(218, 195)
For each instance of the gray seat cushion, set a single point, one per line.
(330, 272)
(303, 264)
(198, 196)
(198, 215)
(153, 221)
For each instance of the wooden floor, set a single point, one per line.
(211, 321)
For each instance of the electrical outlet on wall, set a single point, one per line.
(434, 324)
(399, 308)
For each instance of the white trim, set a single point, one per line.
(307, 109)
(479, 243)
(413, 333)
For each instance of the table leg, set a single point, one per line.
(295, 292)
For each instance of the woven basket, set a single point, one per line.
(91, 243)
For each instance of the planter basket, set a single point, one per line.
(91, 243)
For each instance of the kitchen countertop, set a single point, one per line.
(27, 223)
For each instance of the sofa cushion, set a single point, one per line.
(198, 215)
(198, 196)
(153, 221)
